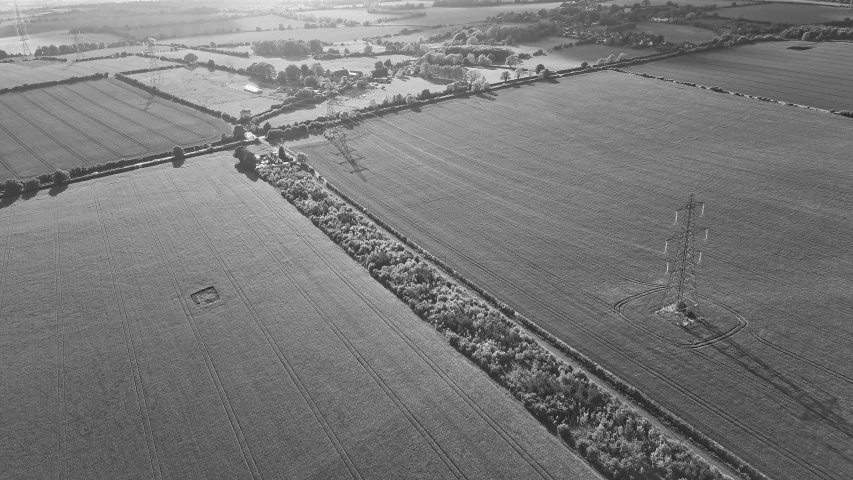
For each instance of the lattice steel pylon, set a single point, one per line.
(77, 43)
(333, 134)
(153, 62)
(21, 31)
(680, 302)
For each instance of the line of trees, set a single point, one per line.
(287, 48)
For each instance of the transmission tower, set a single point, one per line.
(77, 43)
(21, 31)
(680, 303)
(335, 135)
(153, 62)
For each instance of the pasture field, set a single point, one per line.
(821, 76)
(215, 89)
(21, 73)
(12, 45)
(564, 217)
(569, 57)
(459, 16)
(676, 33)
(793, 13)
(297, 365)
(92, 122)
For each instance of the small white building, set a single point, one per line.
(252, 89)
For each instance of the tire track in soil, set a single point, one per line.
(434, 445)
(45, 133)
(60, 335)
(796, 356)
(159, 101)
(129, 344)
(13, 172)
(97, 120)
(629, 358)
(202, 346)
(80, 132)
(163, 119)
(154, 132)
(8, 249)
(270, 340)
(26, 147)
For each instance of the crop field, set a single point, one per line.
(564, 217)
(459, 16)
(189, 323)
(216, 89)
(92, 122)
(569, 57)
(794, 13)
(676, 33)
(12, 45)
(22, 73)
(821, 76)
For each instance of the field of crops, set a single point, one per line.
(337, 35)
(216, 89)
(459, 16)
(821, 76)
(12, 44)
(565, 216)
(297, 364)
(793, 13)
(92, 122)
(265, 22)
(22, 73)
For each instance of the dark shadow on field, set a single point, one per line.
(7, 201)
(178, 162)
(250, 173)
(57, 189)
(821, 409)
(486, 96)
(28, 195)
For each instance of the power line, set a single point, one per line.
(21, 31)
(680, 302)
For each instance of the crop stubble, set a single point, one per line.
(304, 367)
(557, 199)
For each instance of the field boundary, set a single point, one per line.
(650, 406)
(841, 113)
(114, 170)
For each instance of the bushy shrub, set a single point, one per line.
(32, 184)
(60, 177)
(13, 186)
(178, 152)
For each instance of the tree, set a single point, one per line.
(292, 71)
(518, 72)
(584, 64)
(472, 40)
(310, 82)
(301, 157)
(212, 44)
(368, 49)
(539, 68)
(315, 46)
(305, 70)
(211, 64)
(239, 132)
(60, 177)
(318, 70)
(32, 184)
(505, 76)
(178, 152)
(191, 58)
(378, 64)
(512, 60)
(388, 63)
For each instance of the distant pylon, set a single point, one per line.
(78, 44)
(21, 31)
(153, 62)
(333, 134)
(680, 302)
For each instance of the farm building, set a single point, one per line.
(252, 88)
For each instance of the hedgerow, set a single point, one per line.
(612, 436)
(65, 81)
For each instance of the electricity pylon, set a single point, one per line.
(335, 135)
(21, 31)
(153, 62)
(78, 44)
(680, 301)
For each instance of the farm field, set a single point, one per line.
(215, 89)
(793, 13)
(297, 365)
(265, 22)
(821, 76)
(459, 16)
(676, 33)
(21, 73)
(564, 217)
(92, 122)
(569, 57)
(12, 45)
(337, 35)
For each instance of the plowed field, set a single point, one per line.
(301, 365)
(557, 199)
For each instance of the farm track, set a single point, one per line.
(62, 410)
(46, 134)
(161, 135)
(80, 132)
(96, 120)
(493, 424)
(251, 466)
(190, 112)
(139, 387)
(796, 356)
(386, 389)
